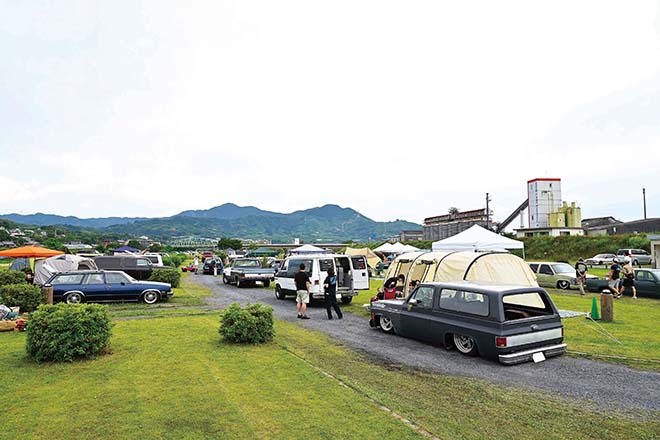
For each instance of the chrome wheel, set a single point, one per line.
(465, 344)
(150, 297)
(279, 294)
(385, 324)
(563, 284)
(74, 298)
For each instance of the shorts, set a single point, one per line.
(302, 297)
(614, 284)
(628, 282)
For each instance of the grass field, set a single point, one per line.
(173, 378)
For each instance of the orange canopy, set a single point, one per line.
(29, 252)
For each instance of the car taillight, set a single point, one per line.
(500, 342)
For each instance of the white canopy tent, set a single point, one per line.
(308, 249)
(43, 269)
(396, 248)
(478, 238)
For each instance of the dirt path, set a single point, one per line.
(606, 385)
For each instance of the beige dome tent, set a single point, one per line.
(495, 267)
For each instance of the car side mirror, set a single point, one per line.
(412, 301)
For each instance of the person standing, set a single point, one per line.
(303, 284)
(581, 274)
(330, 293)
(628, 279)
(613, 278)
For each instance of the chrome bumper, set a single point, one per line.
(526, 356)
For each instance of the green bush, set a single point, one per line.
(67, 332)
(12, 277)
(25, 296)
(175, 260)
(171, 276)
(252, 325)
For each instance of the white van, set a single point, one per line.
(351, 270)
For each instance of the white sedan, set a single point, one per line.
(600, 259)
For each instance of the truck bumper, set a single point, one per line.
(526, 356)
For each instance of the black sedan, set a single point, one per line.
(105, 286)
(509, 323)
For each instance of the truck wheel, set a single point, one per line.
(225, 279)
(279, 293)
(238, 282)
(385, 324)
(267, 283)
(465, 344)
(346, 299)
(563, 284)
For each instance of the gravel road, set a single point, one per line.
(606, 385)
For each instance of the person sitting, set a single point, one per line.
(389, 289)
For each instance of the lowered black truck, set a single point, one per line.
(244, 271)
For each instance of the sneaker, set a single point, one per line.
(304, 317)
(340, 316)
(299, 316)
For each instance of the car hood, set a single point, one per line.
(157, 284)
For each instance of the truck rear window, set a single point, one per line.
(358, 263)
(525, 305)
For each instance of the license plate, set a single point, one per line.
(538, 357)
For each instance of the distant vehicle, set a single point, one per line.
(600, 259)
(638, 257)
(559, 275)
(138, 267)
(210, 264)
(244, 271)
(156, 259)
(647, 282)
(104, 286)
(351, 270)
(512, 324)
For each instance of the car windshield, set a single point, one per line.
(563, 268)
(247, 263)
(604, 256)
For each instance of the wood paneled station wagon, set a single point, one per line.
(512, 324)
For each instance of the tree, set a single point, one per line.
(453, 210)
(155, 247)
(226, 243)
(135, 244)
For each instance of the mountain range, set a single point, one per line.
(325, 223)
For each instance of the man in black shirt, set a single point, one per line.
(302, 292)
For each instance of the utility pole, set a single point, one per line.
(487, 211)
(644, 197)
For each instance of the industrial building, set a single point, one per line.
(547, 214)
(448, 225)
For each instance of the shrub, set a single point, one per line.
(12, 277)
(25, 296)
(175, 260)
(252, 325)
(171, 276)
(66, 332)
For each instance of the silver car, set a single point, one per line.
(600, 260)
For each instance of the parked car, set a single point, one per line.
(351, 270)
(638, 257)
(103, 286)
(647, 282)
(559, 275)
(189, 268)
(210, 263)
(512, 324)
(600, 260)
(138, 267)
(245, 271)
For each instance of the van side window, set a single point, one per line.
(324, 265)
(358, 263)
(142, 262)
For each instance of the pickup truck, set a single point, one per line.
(244, 271)
(646, 280)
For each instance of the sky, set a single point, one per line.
(397, 109)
